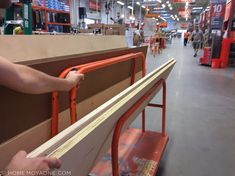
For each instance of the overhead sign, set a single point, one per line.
(93, 5)
(184, 12)
(184, 1)
(151, 15)
(217, 13)
(163, 24)
(184, 25)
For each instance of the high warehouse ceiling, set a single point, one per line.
(168, 8)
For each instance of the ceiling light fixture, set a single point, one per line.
(158, 8)
(121, 3)
(130, 7)
(143, 6)
(197, 8)
(163, 18)
(138, 3)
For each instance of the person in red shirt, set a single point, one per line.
(186, 37)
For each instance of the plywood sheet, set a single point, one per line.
(28, 111)
(28, 48)
(43, 130)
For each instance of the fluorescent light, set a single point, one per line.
(171, 8)
(163, 18)
(163, 5)
(197, 8)
(143, 6)
(121, 3)
(130, 7)
(138, 3)
(132, 18)
(186, 5)
(158, 8)
(160, 1)
(167, 2)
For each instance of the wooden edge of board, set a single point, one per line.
(66, 135)
(70, 143)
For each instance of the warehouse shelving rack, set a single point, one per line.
(10, 15)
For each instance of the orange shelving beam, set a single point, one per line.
(82, 69)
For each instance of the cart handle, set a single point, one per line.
(85, 68)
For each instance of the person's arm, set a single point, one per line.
(20, 165)
(190, 37)
(27, 80)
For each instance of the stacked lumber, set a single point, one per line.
(82, 145)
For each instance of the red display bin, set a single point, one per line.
(206, 56)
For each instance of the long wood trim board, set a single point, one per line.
(84, 142)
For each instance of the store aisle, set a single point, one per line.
(200, 116)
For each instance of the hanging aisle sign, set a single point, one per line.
(184, 1)
(217, 13)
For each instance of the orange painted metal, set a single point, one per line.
(139, 154)
(121, 122)
(82, 69)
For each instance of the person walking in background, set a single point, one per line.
(197, 36)
(186, 37)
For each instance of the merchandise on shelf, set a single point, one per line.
(57, 5)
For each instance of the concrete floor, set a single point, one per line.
(200, 116)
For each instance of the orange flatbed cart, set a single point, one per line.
(136, 151)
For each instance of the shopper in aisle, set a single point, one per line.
(197, 37)
(186, 37)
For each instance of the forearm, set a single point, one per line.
(36, 82)
(27, 80)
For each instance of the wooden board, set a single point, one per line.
(43, 130)
(29, 48)
(28, 111)
(87, 140)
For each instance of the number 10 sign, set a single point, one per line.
(217, 13)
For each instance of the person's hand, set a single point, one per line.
(23, 166)
(74, 79)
